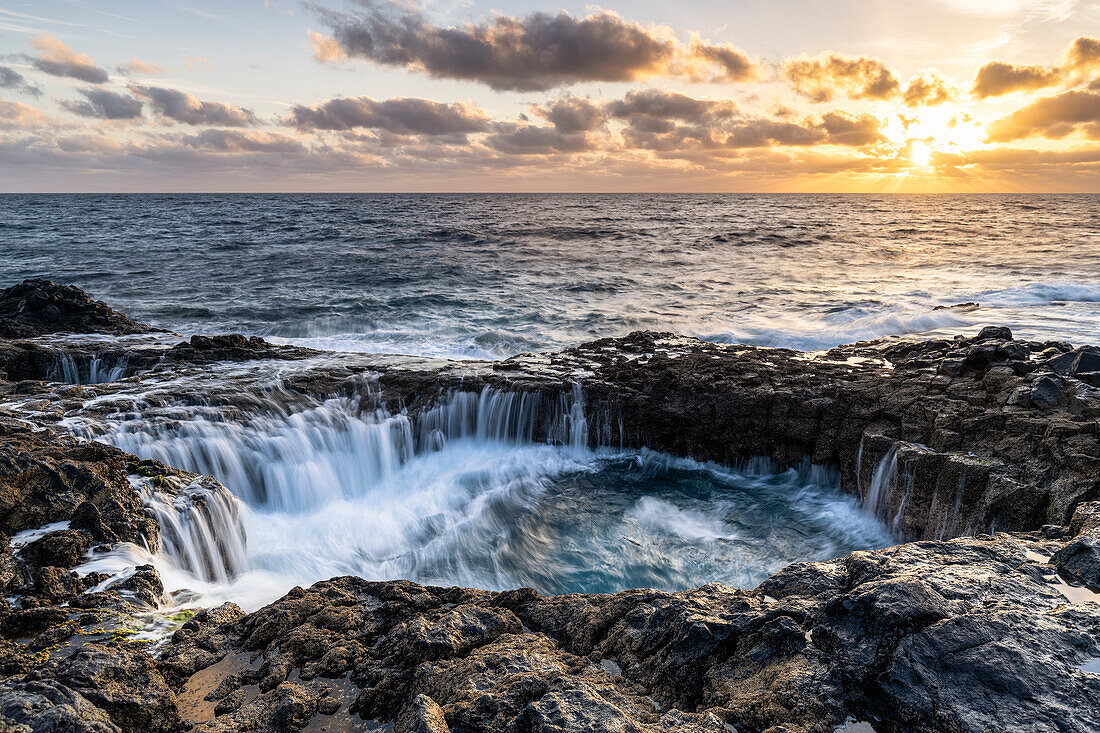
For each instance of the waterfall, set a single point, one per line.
(201, 529)
(94, 370)
(491, 488)
(338, 450)
(882, 482)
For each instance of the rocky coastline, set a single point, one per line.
(985, 618)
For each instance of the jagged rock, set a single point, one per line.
(53, 585)
(103, 687)
(1002, 333)
(1078, 362)
(35, 307)
(145, 585)
(965, 635)
(423, 715)
(232, 347)
(1080, 559)
(1045, 391)
(64, 549)
(1085, 517)
(36, 706)
(44, 477)
(929, 636)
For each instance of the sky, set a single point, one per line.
(463, 95)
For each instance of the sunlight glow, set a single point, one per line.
(920, 153)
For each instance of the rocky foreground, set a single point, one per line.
(986, 620)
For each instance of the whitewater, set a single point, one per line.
(489, 276)
(497, 489)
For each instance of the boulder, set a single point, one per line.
(35, 307)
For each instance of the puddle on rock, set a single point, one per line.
(193, 705)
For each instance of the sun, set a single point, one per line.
(920, 153)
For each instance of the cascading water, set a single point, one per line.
(882, 482)
(96, 369)
(491, 489)
(200, 528)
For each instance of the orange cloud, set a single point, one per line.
(1051, 117)
(928, 89)
(57, 59)
(537, 52)
(820, 77)
(326, 50)
(136, 65)
(19, 116)
(998, 78)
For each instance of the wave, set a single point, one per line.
(813, 333)
(1042, 294)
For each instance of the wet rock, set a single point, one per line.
(1080, 559)
(1086, 517)
(53, 585)
(64, 549)
(45, 705)
(25, 623)
(121, 681)
(1081, 360)
(995, 332)
(1045, 391)
(144, 585)
(44, 477)
(35, 307)
(232, 347)
(964, 635)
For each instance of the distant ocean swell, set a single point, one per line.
(491, 276)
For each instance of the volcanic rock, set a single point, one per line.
(35, 307)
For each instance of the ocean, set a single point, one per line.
(332, 488)
(489, 276)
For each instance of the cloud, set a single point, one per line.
(732, 63)
(241, 141)
(674, 123)
(573, 114)
(137, 66)
(662, 106)
(1083, 55)
(522, 139)
(105, 104)
(1051, 117)
(325, 49)
(19, 116)
(927, 89)
(186, 108)
(402, 115)
(998, 78)
(850, 130)
(87, 143)
(57, 59)
(192, 63)
(12, 79)
(821, 77)
(534, 53)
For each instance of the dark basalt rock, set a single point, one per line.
(972, 634)
(1080, 560)
(97, 688)
(964, 635)
(35, 307)
(45, 477)
(232, 347)
(64, 548)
